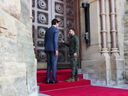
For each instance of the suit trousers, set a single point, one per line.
(51, 65)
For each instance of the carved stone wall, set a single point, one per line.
(106, 68)
(126, 40)
(93, 62)
(12, 7)
(17, 59)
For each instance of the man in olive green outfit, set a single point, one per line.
(73, 44)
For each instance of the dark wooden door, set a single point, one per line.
(43, 11)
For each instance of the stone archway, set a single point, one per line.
(43, 12)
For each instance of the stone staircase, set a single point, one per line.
(62, 76)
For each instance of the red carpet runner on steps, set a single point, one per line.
(78, 88)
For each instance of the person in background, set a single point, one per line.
(73, 44)
(51, 50)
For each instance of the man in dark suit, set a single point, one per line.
(51, 49)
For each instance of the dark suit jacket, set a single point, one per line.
(51, 39)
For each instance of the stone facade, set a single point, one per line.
(126, 40)
(103, 67)
(93, 62)
(17, 62)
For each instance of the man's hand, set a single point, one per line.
(62, 41)
(75, 54)
(57, 53)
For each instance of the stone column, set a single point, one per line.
(103, 26)
(117, 60)
(113, 29)
(104, 46)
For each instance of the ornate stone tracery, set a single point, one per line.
(59, 8)
(41, 32)
(42, 18)
(42, 4)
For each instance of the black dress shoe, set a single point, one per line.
(49, 81)
(53, 82)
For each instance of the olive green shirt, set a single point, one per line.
(73, 44)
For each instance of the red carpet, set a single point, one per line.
(78, 88)
(61, 85)
(87, 91)
(62, 75)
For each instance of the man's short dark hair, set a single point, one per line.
(54, 21)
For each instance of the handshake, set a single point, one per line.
(62, 41)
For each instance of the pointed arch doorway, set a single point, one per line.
(43, 11)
